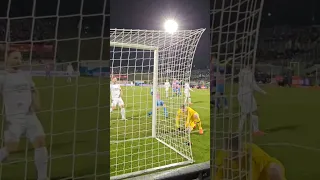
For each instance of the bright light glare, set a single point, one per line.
(171, 26)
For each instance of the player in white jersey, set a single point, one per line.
(69, 72)
(21, 101)
(167, 86)
(187, 90)
(247, 102)
(116, 94)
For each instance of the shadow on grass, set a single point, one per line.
(283, 128)
(194, 102)
(55, 145)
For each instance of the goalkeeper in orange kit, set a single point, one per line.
(190, 117)
(229, 163)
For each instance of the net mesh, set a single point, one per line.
(58, 33)
(142, 61)
(234, 35)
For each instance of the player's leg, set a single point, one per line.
(122, 109)
(36, 136)
(165, 111)
(197, 121)
(189, 100)
(113, 105)
(69, 78)
(11, 138)
(167, 92)
(249, 109)
(47, 74)
(244, 103)
(186, 96)
(255, 124)
(255, 118)
(224, 99)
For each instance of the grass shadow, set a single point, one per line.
(283, 128)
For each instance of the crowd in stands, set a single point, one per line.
(200, 74)
(281, 45)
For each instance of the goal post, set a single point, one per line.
(149, 140)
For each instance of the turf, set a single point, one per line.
(290, 116)
(141, 154)
(74, 119)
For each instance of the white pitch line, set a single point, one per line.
(201, 107)
(291, 145)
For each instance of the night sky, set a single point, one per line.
(291, 12)
(148, 14)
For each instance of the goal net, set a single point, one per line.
(234, 36)
(73, 112)
(148, 140)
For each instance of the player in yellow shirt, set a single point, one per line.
(191, 118)
(264, 167)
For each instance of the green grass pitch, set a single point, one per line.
(141, 154)
(81, 107)
(290, 116)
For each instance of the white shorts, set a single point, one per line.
(167, 89)
(187, 94)
(18, 125)
(247, 103)
(117, 102)
(69, 74)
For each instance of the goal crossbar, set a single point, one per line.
(135, 46)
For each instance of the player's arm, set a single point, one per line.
(256, 86)
(121, 92)
(35, 105)
(35, 99)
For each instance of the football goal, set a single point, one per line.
(141, 62)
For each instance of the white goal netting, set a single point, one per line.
(55, 34)
(142, 61)
(234, 36)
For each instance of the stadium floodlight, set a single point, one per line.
(143, 60)
(234, 35)
(171, 26)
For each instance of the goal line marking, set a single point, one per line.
(291, 145)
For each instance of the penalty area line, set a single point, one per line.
(291, 145)
(201, 107)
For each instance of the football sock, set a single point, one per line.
(41, 162)
(255, 123)
(123, 113)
